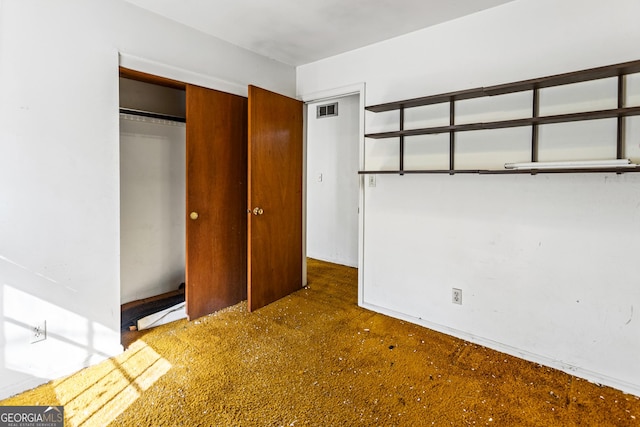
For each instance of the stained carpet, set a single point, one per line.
(316, 359)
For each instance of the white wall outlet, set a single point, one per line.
(456, 296)
(38, 332)
(372, 180)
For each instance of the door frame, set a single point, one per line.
(322, 96)
(178, 75)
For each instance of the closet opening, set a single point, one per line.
(152, 199)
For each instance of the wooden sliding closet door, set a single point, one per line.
(275, 197)
(216, 255)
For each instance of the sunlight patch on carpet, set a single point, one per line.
(100, 395)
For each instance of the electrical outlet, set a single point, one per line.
(372, 180)
(38, 332)
(456, 296)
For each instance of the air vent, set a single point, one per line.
(327, 110)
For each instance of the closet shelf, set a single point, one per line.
(560, 118)
(152, 115)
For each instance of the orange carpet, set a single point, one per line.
(316, 359)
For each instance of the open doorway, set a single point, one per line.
(333, 135)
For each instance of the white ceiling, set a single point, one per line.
(297, 32)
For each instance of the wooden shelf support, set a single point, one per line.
(534, 126)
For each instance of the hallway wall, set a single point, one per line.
(333, 182)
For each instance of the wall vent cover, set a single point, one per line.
(327, 110)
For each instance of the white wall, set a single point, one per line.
(548, 263)
(59, 171)
(152, 206)
(332, 182)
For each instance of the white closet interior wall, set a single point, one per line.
(152, 191)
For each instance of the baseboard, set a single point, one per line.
(594, 377)
(17, 388)
(33, 382)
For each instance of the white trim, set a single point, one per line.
(180, 74)
(361, 204)
(570, 369)
(340, 92)
(304, 197)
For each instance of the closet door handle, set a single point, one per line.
(258, 211)
(193, 215)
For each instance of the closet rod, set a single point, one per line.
(152, 115)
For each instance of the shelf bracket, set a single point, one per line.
(452, 135)
(534, 126)
(620, 128)
(401, 148)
